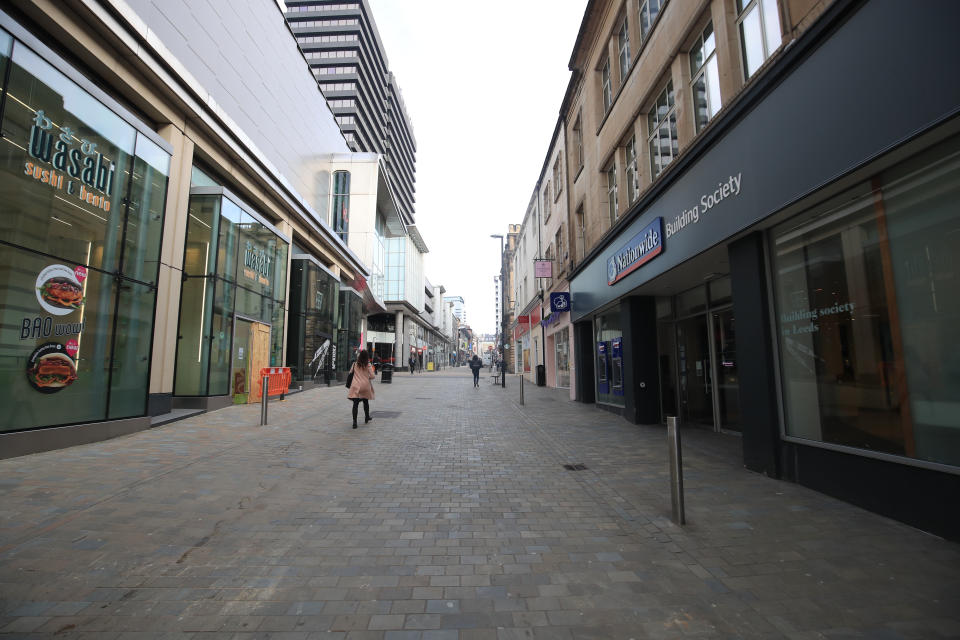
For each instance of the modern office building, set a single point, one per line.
(766, 235)
(341, 43)
(459, 307)
(159, 199)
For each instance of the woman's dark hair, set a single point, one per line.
(363, 358)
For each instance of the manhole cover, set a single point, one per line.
(575, 467)
(385, 414)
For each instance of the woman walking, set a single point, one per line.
(361, 388)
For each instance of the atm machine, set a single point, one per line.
(616, 366)
(603, 367)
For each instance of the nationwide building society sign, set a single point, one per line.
(639, 250)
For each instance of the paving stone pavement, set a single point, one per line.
(449, 516)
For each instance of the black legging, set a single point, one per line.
(476, 376)
(366, 408)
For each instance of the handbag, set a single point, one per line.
(349, 379)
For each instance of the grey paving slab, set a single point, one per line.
(451, 515)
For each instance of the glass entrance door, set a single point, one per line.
(728, 382)
(694, 371)
(241, 360)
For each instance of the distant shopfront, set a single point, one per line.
(803, 299)
(232, 305)
(83, 185)
(314, 302)
(350, 319)
(557, 328)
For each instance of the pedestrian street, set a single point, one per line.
(456, 513)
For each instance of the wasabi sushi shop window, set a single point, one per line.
(82, 193)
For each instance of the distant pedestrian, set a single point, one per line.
(412, 363)
(376, 363)
(475, 365)
(361, 389)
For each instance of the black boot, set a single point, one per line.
(367, 419)
(354, 424)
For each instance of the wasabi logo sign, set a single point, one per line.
(89, 174)
(639, 250)
(256, 264)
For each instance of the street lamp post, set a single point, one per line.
(503, 308)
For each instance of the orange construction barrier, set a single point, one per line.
(278, 384)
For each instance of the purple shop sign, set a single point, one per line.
(542, 268)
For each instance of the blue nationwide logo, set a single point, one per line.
(639, 250)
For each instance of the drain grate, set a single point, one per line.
(575, 467)
(385, 414)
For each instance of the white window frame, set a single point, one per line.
(578, 138)
(646, 17)
(657, 123)
(633, 169)
(613, 208)
(709, 71)
(623, 49)
(557, 177)
(770, 31)
(546, 202)
(606, 86)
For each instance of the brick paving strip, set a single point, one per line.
(451, 515)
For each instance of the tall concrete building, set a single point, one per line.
(341, 43)
(459, 309)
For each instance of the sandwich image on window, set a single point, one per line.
(61, 293)
(51, 372)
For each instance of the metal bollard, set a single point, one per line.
(676, 470)
(263, 401)
(521, 388)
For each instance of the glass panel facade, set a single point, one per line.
(130, 370)
(314, 302)
(235, 266)
(83, 195)
(69, 154)
(692, 301)
(143, 235)
(348, 333)
(193, 352)
(340, 216)
(867, 299)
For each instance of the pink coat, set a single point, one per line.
(361, 387)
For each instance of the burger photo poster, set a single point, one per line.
(52, 366)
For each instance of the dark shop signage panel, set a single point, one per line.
(811, 128)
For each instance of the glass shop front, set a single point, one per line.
(314, 303)
(867, 304)
(232, 304)
(83, 187)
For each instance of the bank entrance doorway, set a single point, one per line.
(698, 358)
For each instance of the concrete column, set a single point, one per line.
(641, 382)
(585, 389)
(171, 261)
(400, 359)
(756, 365)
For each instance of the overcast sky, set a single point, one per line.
(482, 83)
